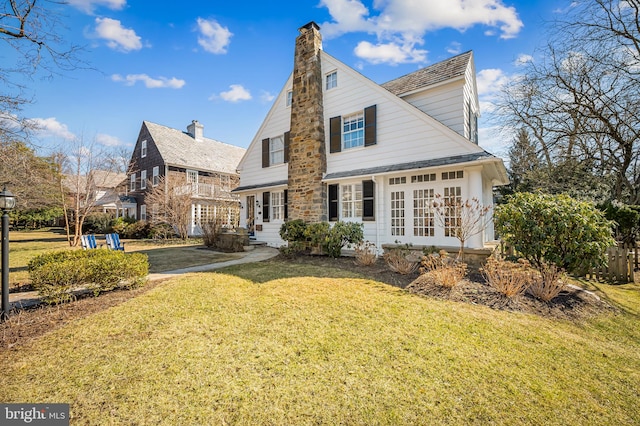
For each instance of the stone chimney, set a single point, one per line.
(307, 157)
(196, 130)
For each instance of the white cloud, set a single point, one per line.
(400, 25)
(51, 127)
(236, 94)
(267, 96)
(390, 53)
(108, 140)
(490, 81)
(149, 82)
(116, 35)
(88, 6)
(523, 59)
(454, 48)
(214, 38)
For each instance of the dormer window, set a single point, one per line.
(331, 80)
(143, 149)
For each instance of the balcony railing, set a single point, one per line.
(206, 190)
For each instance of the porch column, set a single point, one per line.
(474, 182)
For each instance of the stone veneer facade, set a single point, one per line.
(307, 157)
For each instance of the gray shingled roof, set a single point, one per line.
(433, 74)
(180, 149)
(414, 165)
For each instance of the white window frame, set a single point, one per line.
(132, 185)
(277, 205)
(276, 150)
(289, 100)
(353, 130)
(423, 212)
(143, 212)
(143, 179)
(398, 213)
(452, 200)
(143, 149)
(331, 80)
(156, 176)
(192, 176)
(351, 201)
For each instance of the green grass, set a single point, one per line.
(255, 344)
(23, 245)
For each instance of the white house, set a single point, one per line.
(337, 146)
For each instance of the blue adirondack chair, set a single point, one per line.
(88, 242)
(113, 242)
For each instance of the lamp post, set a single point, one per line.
(7, 203)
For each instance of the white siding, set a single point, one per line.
(444, 103)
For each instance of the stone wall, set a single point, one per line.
(307, 157)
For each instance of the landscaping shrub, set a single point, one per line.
(55, 275)
(443, 270)
(366, 253)
(399, 260)
(321, 237)
(509, 278)
(548, 283)
(137, 230)
(555, 229)
(97, 223)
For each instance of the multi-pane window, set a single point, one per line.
(353, 131)
(143, 179)
(276, 150)
(133, 182)
(397, 180)
(430, 177)
(143, 149)
(289, 97)
(351, 200)
(156, 175)
(143, 212)
(277, 205)
(458, 174)
(192, 176)
(452, 212)
(331, 80)
(397, 213)
(423, 214)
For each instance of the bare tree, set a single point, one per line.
(460, 219)
(170, 202)
(85, 167)
(34, 30)
(580, 99)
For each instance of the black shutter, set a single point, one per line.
(370, 125)
(368, 200)
(287, 138)
(266, 197)
(265, 152)
(335, 134)
(286, 204)
(333, 203)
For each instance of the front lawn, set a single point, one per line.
(258, 345)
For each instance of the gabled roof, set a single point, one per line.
(107, 179)
(437, 73)
(178, 148)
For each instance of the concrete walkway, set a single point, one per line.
(259, 253)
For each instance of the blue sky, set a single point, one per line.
(223, 62)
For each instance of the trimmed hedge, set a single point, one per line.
(56, 274)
